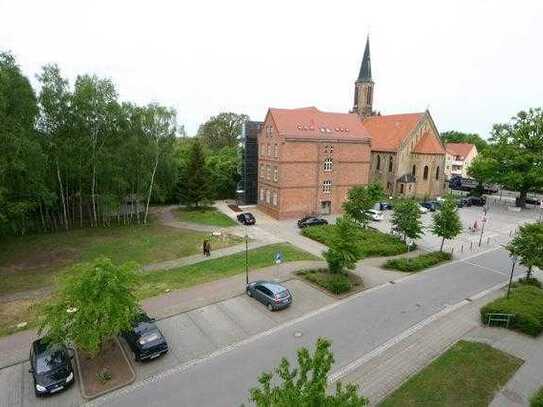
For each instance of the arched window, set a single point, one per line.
(437, 173)
(425, 174)
(378, 162)
(390, 164)
(327, 164)
(414, 170)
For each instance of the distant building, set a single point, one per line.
(308, 159)
(247, 191)
(459, 158)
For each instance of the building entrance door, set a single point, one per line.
(326, 207)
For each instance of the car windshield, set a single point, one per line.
(50, 360)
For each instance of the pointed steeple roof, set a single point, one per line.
(365, 68)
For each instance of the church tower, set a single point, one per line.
(363, 87)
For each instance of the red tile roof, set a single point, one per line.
(461, 149)
(429, 144)
(387, 132)
(310, 122)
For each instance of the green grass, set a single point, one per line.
(537, 399)
(34, 261)
(205, 216)
(421, 262)
(372, 242)
(156, 282)
(526, 305)
(467, 375)
(334, 283)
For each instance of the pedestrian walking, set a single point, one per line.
(204, 247)
(208, 248)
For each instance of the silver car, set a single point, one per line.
(273, 295)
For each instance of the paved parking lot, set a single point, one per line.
(191, 335)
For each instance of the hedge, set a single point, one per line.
(372, 242)
(417, 263)
(525, 303)
(335, 283)
(537, 399)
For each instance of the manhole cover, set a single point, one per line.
(298, 334)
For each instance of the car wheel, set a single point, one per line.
(270, 306)
(249, 293)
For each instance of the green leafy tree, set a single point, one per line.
(344, 250)
(223, 166)
(221, 131)
(460, 137)
(360, 199)
(406, 219)
(195, 186)
(94, 304)
(528, 246)
(517, 147)
(482, 169)
(446, 222)
(305, 386)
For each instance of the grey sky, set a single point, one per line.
(473, 63)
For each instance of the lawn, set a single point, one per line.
(156, 282)
(421, 262)
(372, 242)
(205, 216)
(468, 374)
(525, 303)
(33, 261)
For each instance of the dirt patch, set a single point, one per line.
(106, 372)
(41, 259)
(235, 208)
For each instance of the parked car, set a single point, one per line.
(384, 206)
(375, 215)
(423, 209)
(476, 200)
(246, 218)
(461, 202)
(532, 201)
(273, 295)
(145, 339)
(311, 221)
(51, 367)
(431, 206)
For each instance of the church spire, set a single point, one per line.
(365, 67)
(363, 87)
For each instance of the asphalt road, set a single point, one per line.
(356, 326)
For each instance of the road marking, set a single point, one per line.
(486, 268)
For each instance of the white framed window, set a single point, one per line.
(261, 170)
(275, 174)
(327, 186)
(269, 130)
(327, 164)
(267, 196)
(268, 148)
(276, 151)
(268, 173)
(262, 152)
(262, 194)
(274, 199)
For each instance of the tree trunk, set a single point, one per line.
(529, 273)
(62, 198)
(93, 186)
(150, 190)
(442, 242)
(521, 203)
(80, 206)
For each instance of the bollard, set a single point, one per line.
(462, 249)
(452, 251)
(471, 246)
(488, 241)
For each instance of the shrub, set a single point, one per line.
(335, 283)
(537, 399)
(525, 303)
(417, 263)
(372, 243)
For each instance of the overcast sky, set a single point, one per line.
(472, 63)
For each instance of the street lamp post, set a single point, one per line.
(246, 256)
(514, 261)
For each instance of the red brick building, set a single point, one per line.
(308, 160)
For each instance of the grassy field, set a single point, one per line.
(372, 242)
(156, 282)
(33, 261)
(467, 375)
(205, 216)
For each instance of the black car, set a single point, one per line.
(533, 201)
(271, 294)
(384, 206)
(476, 200)
(145, 339)
(431, 206)
(51, 367)
(463, 202)
(311, 221)
(246, 218)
